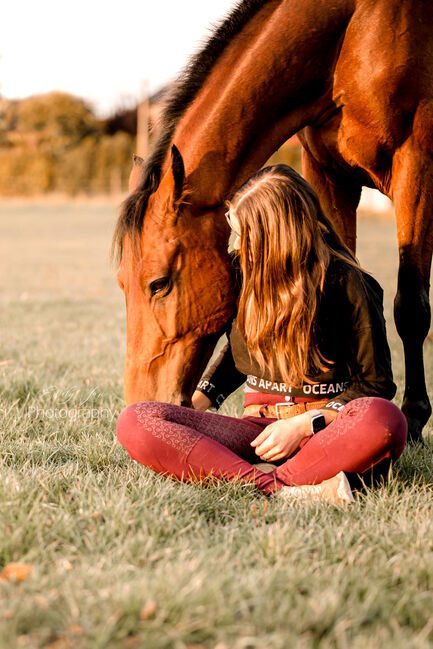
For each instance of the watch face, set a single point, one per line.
(318, 423)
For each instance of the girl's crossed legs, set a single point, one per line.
(190, 444)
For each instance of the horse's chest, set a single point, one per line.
(361, 142)
(344, 142)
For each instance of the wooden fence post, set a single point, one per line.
(143, 121)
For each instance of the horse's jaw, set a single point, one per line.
(169, 377)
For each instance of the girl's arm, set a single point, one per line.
(218, 382)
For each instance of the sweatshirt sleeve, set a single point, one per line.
(369, 357)
(221, 378)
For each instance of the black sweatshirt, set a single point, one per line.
(350, 331)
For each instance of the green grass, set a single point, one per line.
(214, 567)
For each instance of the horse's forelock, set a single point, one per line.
(130, 221)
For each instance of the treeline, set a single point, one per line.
(54, 143)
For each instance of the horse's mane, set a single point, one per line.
(181, 95)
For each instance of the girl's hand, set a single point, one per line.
(281, 438)
(200, 401)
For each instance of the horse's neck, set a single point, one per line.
(272, 79)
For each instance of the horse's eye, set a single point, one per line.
(160, 286)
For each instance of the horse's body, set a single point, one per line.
(354, 78)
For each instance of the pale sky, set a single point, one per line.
(99, 50)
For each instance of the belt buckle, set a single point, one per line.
(282, 403)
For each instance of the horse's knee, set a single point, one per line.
(412, 315)
(412, 312)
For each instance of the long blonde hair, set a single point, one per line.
(286, 244)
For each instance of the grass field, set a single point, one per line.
(124, 558)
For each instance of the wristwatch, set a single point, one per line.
(317, 421)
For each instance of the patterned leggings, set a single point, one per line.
(189, 444)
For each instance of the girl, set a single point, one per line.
(309, 339)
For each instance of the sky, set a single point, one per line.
(100, 50)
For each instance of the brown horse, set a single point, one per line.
(354, 79)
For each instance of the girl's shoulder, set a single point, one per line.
(345, 276)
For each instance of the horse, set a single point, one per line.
(354, 80)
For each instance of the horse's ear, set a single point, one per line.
(178, 170)
(136, 172)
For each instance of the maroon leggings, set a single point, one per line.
(189, 444)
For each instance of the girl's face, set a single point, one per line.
(235, 227)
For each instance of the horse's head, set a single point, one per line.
(177, 279)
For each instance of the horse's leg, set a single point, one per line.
(412, 185)
(338, 197)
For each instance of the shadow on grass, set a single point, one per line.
(416, 464)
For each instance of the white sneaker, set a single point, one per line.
(335, 490)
